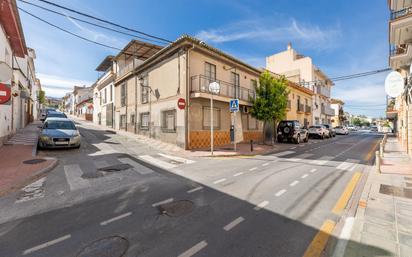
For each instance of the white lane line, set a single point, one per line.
(354, 166)
(283, 153)
(175, 158)
(74, 177)
(252, 169)
(265, 164)
(294, 159)
(219, 181)
(344, 166)
(194, 189)
(193, 250)
(124, 215)
(238, 174)
(319, 162)
(157, 162)
(281, 192)
(47, 244)
(233, 223)
(344, 237)
(294, 183)
(261, 205)
(312, 170)
(305, 175)
(293, 147)
(163, 202)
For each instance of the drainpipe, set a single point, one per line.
(187, 109)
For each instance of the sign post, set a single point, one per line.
(214, 88)
(234, 107)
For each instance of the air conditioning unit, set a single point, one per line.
(245, 109)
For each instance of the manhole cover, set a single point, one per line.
(177, 208)
(114, 246)
(117, 167)
(34, 161)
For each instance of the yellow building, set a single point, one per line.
(338, 118)
(299, 104)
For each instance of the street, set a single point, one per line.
(142, 201)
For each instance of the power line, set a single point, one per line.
(103, 20)
(91, 23)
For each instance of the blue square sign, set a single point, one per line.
(234, 105)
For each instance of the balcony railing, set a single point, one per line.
(327, 110)
(200, 83)
(125, 69)
(289, 106)
(308, 109)
(397, 50)
(400, 13)
(301, 107)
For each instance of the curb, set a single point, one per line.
(32, 177)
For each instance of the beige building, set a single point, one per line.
(399, 109)
(339, 118)
(301, 70)
(150, 81)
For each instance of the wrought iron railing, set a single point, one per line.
(400, 13)
(200, 83)
(301, 107)
(308, 109)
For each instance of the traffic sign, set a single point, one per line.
(234, 105)
(5, 93)
(394, 84)
(181, 103)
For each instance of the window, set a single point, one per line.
(105, 96)
(252, 123)
(144, 120)
(123, 121)
(100, 97)
(123, 95)
(206, 118)
(145, 90)
(111, 93)
(210, 71)
(132, 119)
(234, 79)
(169, 121)
(253, 83)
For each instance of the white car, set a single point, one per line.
(341, 130)
(319, 131)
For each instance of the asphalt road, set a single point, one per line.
(269, 205)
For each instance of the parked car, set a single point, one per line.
(341, 130)
(319, 131)
(352, 128)
(292, 131)
(59, 132)
(332, 132)
(53, 114)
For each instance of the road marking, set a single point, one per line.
(265, 164)
(47, 244)
(281, 192)
(157, 162)
(343, 200)
(252, 169)
(293, 147)
(304, 155)
(194, 189)
(305, 175)
(163, 202)
(319, 242)
(261, 205)
(312, 170)
(353, 167)
(294, 159)
(104, 223)
(238, 174)
(233, 223)
(195, 249)
(74, 177)
(283, 153)
(319, 162)
(175, 158)
(294, 183)
(344, 166)
(32, 191)
(344, 237)
(219, 181)
(136, 166)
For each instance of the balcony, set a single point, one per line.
(125, 69)
(301, 108)
(322, 91)
(308, 109)
(326, 110)
(200, 84)
(399, 27)
(398, 14)
(400, 56)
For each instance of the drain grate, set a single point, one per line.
(177, 208)
(396, 191)
(117, 167)
(34, 161)
(114, 246)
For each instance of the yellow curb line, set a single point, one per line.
(371, 152)
(343, 200)
(319, 241)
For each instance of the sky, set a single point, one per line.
(342, 37)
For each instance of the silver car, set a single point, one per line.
(59, 133)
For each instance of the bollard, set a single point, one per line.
(251, 145)
(381, 149)
(378, 161)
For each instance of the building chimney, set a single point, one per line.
(289, 46)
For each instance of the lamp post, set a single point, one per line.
(214, 88)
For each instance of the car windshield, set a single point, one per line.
(57, 115)
(60, 124)
(338, 127)
(315, 127)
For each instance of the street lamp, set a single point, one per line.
(214, 88)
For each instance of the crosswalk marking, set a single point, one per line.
(283, 153)
(178, 159)
(73, 177)
(319, 162)
(136, 166)
(157, 162)
(344, 166)
(304, 155)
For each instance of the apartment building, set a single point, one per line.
(104, 94)
(301, 70)
(339, 118)
(83, 102)
(163, 93)
(399, 109)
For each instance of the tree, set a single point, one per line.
(42, 97)
(271, 100)
(357, 121)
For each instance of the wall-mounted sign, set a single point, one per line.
(394, 84)
(181, 103)
(5, 93)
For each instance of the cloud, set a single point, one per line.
(269, 30)
(58, 86)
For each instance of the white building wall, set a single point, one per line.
(5, 110)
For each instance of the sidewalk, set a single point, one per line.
(383, 221)
(19, 163)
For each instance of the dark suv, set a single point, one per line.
(292, 131)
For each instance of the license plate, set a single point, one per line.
(61, 142)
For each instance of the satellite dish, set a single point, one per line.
(394, 84)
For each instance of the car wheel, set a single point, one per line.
(323, 136)
(297, 140)
(306, 138)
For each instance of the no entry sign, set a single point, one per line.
(5, 93)
(181, 103)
